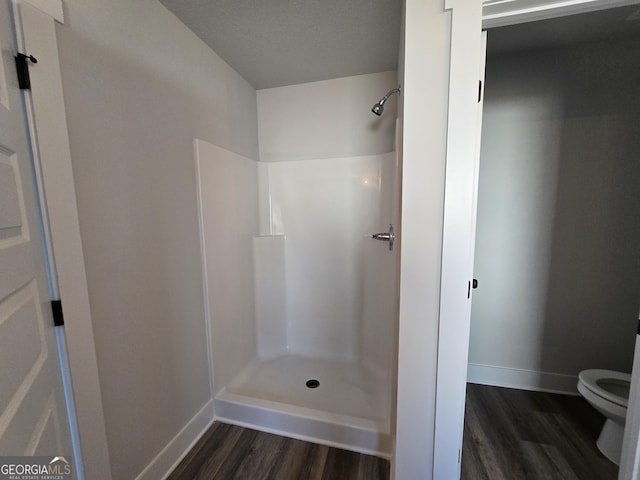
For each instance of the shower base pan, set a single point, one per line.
(349, 408)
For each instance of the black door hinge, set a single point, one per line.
(479, 91)
(22, 67)
(473, 284)
(56, 309)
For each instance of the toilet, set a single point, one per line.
(608, 392)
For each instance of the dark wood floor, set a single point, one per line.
(519, 435)
(227, 452)
(508, 435)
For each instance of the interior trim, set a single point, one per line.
(522, 379)
(180, 445)
(498, 13)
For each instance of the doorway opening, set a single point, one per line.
(557, 228)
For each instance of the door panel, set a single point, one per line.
(461, 180)
(33, 417)
(630, 461)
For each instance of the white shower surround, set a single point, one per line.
(310, 297)
(325, 212)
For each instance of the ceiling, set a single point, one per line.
(273, 43)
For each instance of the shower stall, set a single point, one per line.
(301, 294)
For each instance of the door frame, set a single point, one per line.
(453, 350)
(499, 13)
(35, 30)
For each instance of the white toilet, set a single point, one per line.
(608, 392)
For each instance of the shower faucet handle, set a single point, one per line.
(385, 237)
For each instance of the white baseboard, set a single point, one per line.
(522, 379)
(169, 457)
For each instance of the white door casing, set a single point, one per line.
(36, 25)
(33, 415)
(497, 13)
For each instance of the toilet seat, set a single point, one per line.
(595, 378)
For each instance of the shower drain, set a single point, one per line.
(313, 383)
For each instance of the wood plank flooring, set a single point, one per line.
(518, 435)
(228, 452)
(509, 435)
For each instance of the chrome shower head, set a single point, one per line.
(378, 108)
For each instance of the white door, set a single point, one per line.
(630, 461)
(454, 315)
(33, 416)
(460, 205)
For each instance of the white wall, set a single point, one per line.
(556, 250)
(327, 119)
(138, 88)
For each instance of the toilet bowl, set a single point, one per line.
(608, 392)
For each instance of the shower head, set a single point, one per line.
(378, 108)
